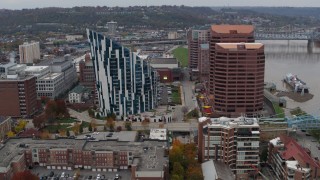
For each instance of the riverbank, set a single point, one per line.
(295, 96)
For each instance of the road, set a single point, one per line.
(174, 126)
(308, 142)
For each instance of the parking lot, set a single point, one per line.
(163, 95)
(84, 174)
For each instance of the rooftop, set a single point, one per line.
(294, 151)
(35, 69)
(232, 29)
(160, 134)
(122, 136)
(51, 76)
(216, 170)
(3, 119)
(163, 61)
(231, 122)
(148, 155)
(240, 46)
(12, 148)
(79, 89)
(152, 157)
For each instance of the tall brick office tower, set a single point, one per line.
(228, 92)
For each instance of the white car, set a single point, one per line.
(62, 175)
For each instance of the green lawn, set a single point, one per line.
(279, 111)
(66, 120)
(181, 54)
(298, 112)
(176, 96)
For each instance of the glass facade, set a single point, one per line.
(126, 84)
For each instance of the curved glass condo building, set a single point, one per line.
(125, 83)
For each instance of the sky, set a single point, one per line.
(20, 4)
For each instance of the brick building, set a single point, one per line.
(238, 79)
(87, 76)
(198, 40)
(291, 161)
(233, 141)
(168, 69)
(18, 95)
(226, 34)
(145, 160)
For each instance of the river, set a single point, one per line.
(292, 56)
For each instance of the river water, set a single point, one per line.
(284, 57)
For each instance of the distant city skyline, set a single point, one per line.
(21, 4)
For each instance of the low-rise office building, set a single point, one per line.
(53, 77)
(18, 95)
(78, 94)
(167, 68)
(107, 152)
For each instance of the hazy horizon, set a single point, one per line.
(30, 4)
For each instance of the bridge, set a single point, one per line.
(304, 122)
(313, 36)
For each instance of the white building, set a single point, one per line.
(54, 77)
(73, 37)
(158, 134)
(78, 94)
(112, 27)
(29, 52)
(173, 35)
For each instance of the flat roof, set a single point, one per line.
(209, 171)
(11, 148)
(35, 68)
(227, 29)
(160, 134)
(230, 122)
(164, 61)
(50, 76)
(240, 46)
(122, 136)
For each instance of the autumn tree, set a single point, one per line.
(20, 126)
(24, 175)
(50, 111)
(178, 170)
(128, 125)
(61, 109)
(76, 128)
(119, 128)
(183, 155)
(45, 134)
(194, 172)
(145, 123)
(62, 132)
(39, 121)
(11, 134)
(110, 123)
(93, 124)
(44, 99)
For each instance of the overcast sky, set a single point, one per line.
(19, 4)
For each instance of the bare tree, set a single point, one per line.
(184, 110)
